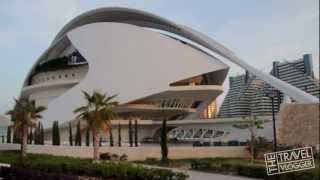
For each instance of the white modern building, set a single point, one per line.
(158, 69)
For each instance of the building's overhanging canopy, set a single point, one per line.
(148, 20)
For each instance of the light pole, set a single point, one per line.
(272, 94)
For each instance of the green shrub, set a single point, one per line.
(251, 171)
(58, 165)
(151, 160)
(114, 157)
(242, 168)
(225, 167)
(123, 157)
(201, 164)
(105, 156)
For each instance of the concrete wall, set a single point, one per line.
(135, 153)
(299, 124)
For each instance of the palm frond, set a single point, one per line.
(109, 98)
(98, 111)
(25, 112)
(87, 96)
(40, 109)
(81, 109)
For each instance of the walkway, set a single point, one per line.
(198, 175)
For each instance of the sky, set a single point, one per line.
(258, 31)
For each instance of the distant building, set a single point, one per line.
(247, 94)
(298, 73)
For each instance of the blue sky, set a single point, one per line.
(259, 31)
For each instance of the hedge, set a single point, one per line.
(56, 166)
(250, 170)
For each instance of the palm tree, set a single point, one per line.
(97, 113)
(253, 125)
(24, 115)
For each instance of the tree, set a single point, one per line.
(119, 135)
(30, 135)
(164, 142)
(253, 124)
(130, 134)
(100, 141)
(97, 112)
(136, 133)
(36, 134)
(16, 139)
(39, 134)
(78, 139)
(42, 134)
(8, 134)
(24, 114)
(111, 137)
(87, 137)
(70, 135)
(55, 134)
(259, 145)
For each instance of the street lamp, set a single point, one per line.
(272, 94)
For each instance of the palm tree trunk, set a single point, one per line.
(95, 145)
(252, 148)
(24, 141)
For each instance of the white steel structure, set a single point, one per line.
(133, 54)
(111, 50)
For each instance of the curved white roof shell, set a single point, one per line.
(144, 19)
(130, 61)
(124, 57)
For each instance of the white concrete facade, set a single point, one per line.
(125, 54)
(151, 62)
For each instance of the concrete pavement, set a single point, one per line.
(198, 175)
